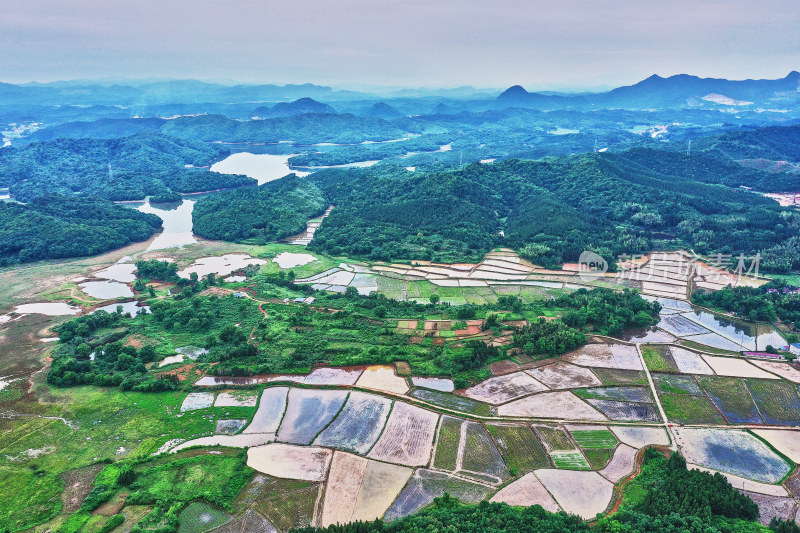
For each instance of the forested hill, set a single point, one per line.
(55, 227)
(316, 125)
(273, 211)
(552, 209)
(709, 167)
(302, 129)
(774, 143)
(127, 168)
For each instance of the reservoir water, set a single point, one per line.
(261, 167)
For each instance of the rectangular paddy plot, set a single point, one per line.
(452, 401)
(786, 442)
(479, 455)
(733, 367)
(289, 461)
(562, 375)
(501, 389)
(358, 425)
(639, 436)
(680, 326)
(197, 400)
(676, 384)
(341, 492)
(426, 485)
(594, 438)
(685, 409)
(560, 405)
(408, 436)
(613, 377)
(287, 503)
(621, 394)
(658, 359)
(308, 412)
(382, 483)
(447, 443)
(270, 411)
(732, 399)
(619, 356)
(784, 370)
(689, 362)
(236, 399)
(382, 378)
(731, 451)
(521, 449)
(777, 401)
(628, 411)
(555, 438)
(360, 489)
(570, 460)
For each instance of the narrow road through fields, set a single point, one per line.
(673, 445)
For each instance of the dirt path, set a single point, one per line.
(620, 489)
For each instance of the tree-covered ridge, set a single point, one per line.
(555, 208)
(304, 129)
(127, 168)
(273, 211)
(54, 227)
(708, 167)
(775, 143)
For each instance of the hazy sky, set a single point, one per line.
(485, 43)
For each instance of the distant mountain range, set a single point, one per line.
(678, 91)
(182, 97)
(303, 106)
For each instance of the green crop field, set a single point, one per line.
(199, 517)
(555, 438)
(570, 460)
(598, 457)
(447, 443)
(685, 409)
(656, 361)
(521, 449)
(598, 438)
